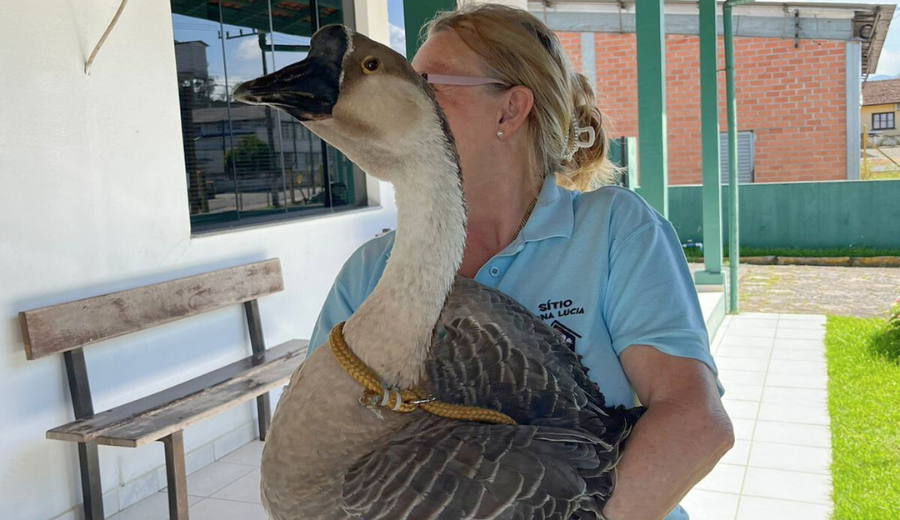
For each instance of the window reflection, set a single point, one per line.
(248, 162)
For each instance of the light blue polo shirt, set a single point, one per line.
(602, 267)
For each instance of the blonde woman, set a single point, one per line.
(596, 263)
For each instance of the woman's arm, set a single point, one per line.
(679, 439)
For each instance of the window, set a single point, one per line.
(746, 142)
(250, 163)
(883, 121)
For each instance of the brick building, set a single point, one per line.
(797, 98)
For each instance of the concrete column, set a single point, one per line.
(371, 19)
(652, 147)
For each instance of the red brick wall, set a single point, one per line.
(792, 99)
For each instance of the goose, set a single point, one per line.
(548, 444)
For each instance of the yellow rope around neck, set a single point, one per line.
(404, 401)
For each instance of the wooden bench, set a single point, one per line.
(69, 327)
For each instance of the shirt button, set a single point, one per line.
(495, 271)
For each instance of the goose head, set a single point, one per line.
(361, 97)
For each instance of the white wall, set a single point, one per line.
(88, 207)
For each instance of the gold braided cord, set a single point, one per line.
(410, 400)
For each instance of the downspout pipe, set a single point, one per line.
(734, 248)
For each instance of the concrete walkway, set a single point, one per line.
(773, 370)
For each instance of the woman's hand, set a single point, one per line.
(677, 442)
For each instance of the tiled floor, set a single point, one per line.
(227, 489)
(773, 370)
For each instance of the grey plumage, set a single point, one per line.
(490, 351)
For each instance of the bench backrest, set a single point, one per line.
(69, 326)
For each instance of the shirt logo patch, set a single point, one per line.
(558, 308)
(570, 335)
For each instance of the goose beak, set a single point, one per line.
(308, 90)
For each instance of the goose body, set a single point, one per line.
(330, 457)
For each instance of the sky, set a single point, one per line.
(888, 63)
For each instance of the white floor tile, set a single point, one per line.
(792, 354)
(794, 413)
(743, 352)
(804, 368)
(756, 316)
(817, 382)
(743, 428)
(742, 377)
(244, 489)
(818, 318)
(743, 341)
(724, 478)
(738, 454)
(756, 508)
(807, 459)
(793, 433)
(801, 324)
(747, 331)
(801, 396)
(738, 409)
(787, 485)
(206, 481)
(800, 334)
(710, 505)
(743, 392)
(154, 507)
(799, 344)
(733, 363)
(760, 323)
(215, 509)
(248, 455)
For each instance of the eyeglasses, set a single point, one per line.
(462, 81)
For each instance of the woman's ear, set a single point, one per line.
(517, 103)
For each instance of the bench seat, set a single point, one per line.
(153, 417)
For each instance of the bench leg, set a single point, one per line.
(91, 489)
(264, 411)
(176, 476)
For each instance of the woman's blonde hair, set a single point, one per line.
(519, 49)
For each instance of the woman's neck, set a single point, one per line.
(495, 215)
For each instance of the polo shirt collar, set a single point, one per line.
(553, 216)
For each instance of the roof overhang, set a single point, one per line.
(864, 23)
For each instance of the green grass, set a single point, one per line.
(693, 254)
(864, 404)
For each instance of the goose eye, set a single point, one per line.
(370, 65)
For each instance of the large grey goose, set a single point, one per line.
(329, 456)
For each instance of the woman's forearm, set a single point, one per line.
(672, 447)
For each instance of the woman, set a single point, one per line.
(600, 266)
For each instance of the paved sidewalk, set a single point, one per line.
(773, 370)
(798, 289)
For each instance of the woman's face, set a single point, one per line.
(473, 112)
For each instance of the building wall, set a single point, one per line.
(792, 99)
(93, 199)
(866, 117)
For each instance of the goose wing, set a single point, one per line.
(488, 350)
(447, 470)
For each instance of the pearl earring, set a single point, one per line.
(499, 133)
